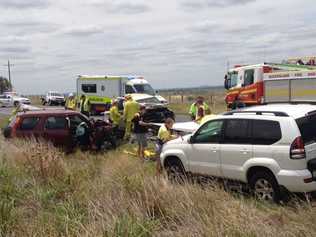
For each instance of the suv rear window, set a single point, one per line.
(265, 132)
(29, 123)
(307, 128)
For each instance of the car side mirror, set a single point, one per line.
(191, 139)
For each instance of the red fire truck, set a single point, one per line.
(290, 81)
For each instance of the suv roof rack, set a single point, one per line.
(276, 113)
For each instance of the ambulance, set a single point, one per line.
(292, 81)
(101, 90)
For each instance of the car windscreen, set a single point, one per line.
(307, 128)
(144, 89)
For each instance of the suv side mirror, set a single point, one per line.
(191, 139)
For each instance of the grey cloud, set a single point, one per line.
(24, 4)
(202, 4)
(123, 7)
(83, 31)
(15, 49)
(28, 27)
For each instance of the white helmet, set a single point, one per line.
(71, 95)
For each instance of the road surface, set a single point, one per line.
(7, 112)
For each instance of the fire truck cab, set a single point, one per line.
(244, 83)
(271, 82)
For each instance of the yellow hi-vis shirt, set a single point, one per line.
(71, 104)
(130, 109)
(164, 134)
(115, 116)
(194, 109)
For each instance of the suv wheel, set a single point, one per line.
(175, 171)
(265, 187)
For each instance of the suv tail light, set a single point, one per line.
(297, 150)
(16, 124)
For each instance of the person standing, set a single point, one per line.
(85, 105)
(131, 107)
(140, 130)
(71, 102)
(115, 115)
(195, 106)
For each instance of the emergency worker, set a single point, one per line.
(131, 107)
(115, 115)
(85, 105)
(198, 103)
(164, 135)
(200, 115)
(71, 102)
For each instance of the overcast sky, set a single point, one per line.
(173, 43)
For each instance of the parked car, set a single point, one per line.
(5, 101)
(271, 149)
(53, 98)
(10, 99)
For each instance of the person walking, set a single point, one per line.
(71, 102)
(200, 102)
(131, 107)
(140, 130)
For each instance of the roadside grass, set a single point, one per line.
(3, 121)
(45, 193)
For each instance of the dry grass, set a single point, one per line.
(180, 101)
(45, 193)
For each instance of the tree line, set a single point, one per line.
(5, 85)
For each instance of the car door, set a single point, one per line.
(204, 149)
(236, 147)
(28, 127)
(56, 130)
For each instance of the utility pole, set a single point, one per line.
(9, 70)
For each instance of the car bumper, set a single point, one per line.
(297, 181)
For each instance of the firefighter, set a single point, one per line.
(85, 105)
(131, 107)
(71, 102)
(198, 103)
(115, 115)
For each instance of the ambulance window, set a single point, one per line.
(89, 88)
(249, 77)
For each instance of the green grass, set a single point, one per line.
(45, 193)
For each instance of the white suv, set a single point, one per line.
(269, 147)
